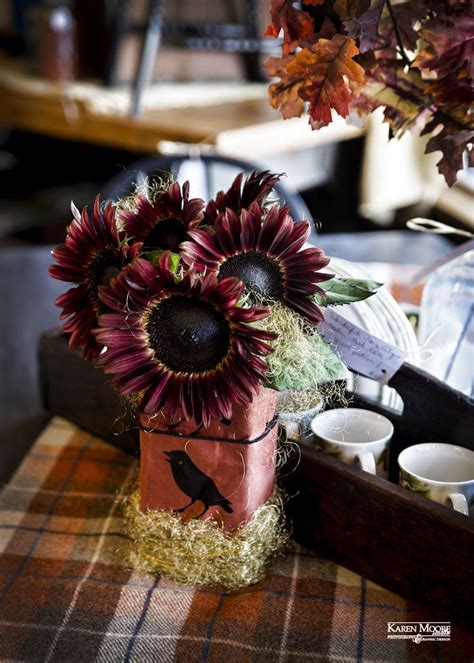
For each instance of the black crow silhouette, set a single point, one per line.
(196, 484)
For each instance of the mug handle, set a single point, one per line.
(366, 461)
(459, 503)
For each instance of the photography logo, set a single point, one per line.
(419, 631)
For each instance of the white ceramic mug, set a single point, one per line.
(355, 436)
(297, 425)
(441, 472)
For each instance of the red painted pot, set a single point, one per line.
(225, 471)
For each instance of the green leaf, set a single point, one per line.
(174, 262)
(154, 256)
(364, 284)
(345, 291)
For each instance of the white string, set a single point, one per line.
(243, 476)
(436, 227)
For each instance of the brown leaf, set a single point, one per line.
(452, 89)
(284, 94)
(327, 30)
(366, 26)
(297, 25)
(452, 141)
(449, 44)
(401, 91)
(332, 77)
(365, 104)
(326, 76)
(407, 15)
(403, 107)
(346, 8)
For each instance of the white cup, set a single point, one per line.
(441, 472)
(296, 425)
(355, 436)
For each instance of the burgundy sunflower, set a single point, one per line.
(94, 252)
(264, 250)
(162, 224)
(255, 188)
(185, 343)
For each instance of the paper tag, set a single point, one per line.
(362, 352)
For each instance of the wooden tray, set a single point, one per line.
(406, 543)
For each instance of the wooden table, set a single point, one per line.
(247, 129)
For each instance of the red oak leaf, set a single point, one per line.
(284, 94)
(297, 25)
(452, 141)
(365, 28)
(326, 76)
(400, 92)
(332, 77)
(452, 88)
(327, 30)
(407, 16)
(449, 44)
(364, 104)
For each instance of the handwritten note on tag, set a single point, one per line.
(359, 350)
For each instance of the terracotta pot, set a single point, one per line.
(225, 471)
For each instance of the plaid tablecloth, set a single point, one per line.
(65, 595)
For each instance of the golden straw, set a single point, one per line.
(200, 552)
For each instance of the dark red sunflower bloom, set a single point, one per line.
(263, 249)
(93, 253)
(184, 342)
(163, 224)
(239, 196)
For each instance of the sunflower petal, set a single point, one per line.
(93, 245)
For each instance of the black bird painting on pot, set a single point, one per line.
(194, 483)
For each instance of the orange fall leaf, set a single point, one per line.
(296, 24)
(324, 75)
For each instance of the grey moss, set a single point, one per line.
(301, 359)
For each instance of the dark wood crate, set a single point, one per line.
(406, 543)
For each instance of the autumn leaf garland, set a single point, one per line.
(414, 59)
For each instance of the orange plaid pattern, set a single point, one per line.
(66, 596)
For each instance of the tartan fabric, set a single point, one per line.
(65, 595)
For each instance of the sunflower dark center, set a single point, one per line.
(166, 234)
(104, 266)
(188, 335)
(257, 270)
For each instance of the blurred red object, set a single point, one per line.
(57, 43)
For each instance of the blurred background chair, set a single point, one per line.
(230, 36)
